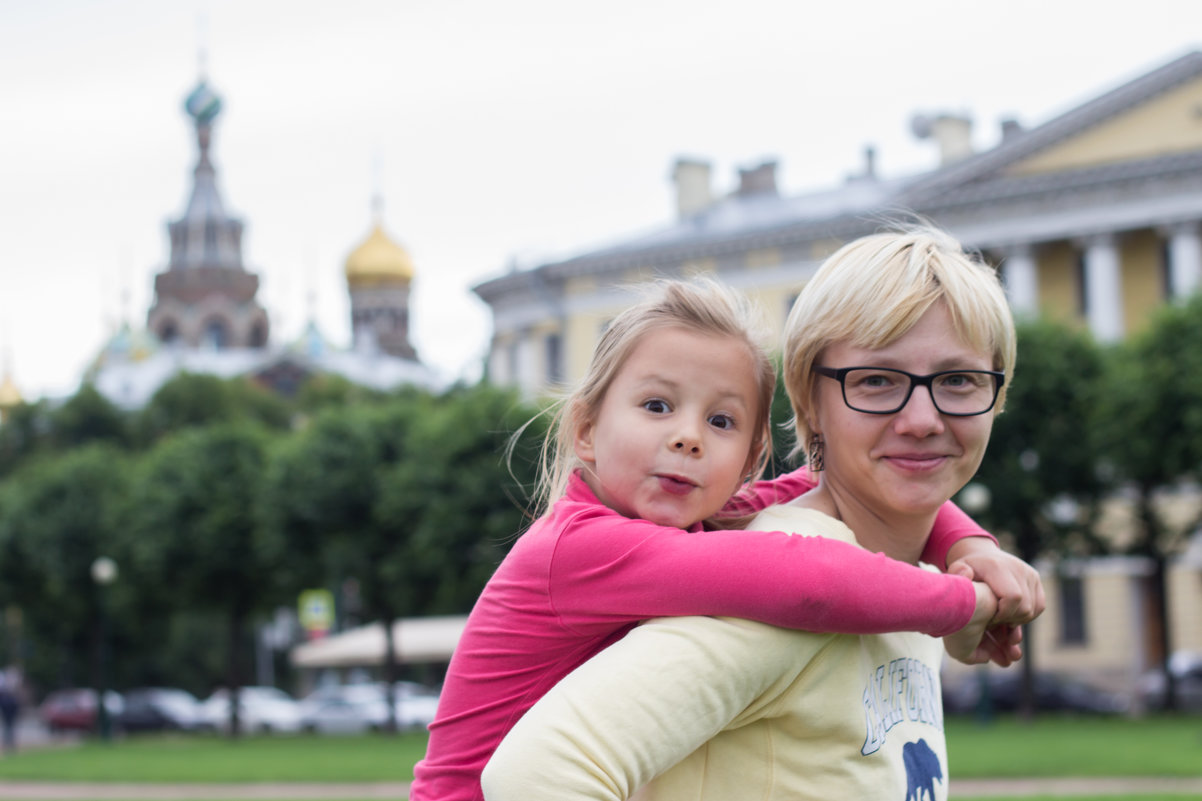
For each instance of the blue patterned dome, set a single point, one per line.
(203, 104)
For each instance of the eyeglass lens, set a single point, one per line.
(883, 390)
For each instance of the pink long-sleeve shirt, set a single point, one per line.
(583, 575)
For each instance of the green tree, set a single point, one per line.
(449, 512)
(1152, 412)
(86, 417)
(25, 434)
(198, 530)
(459, 505)
(1040, 470)
(58, 517)
(190, 400)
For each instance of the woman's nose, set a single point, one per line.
(919, 417)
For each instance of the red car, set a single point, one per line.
(75, 709)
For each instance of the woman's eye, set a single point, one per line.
(656, 406)
(876, 381)
(722, 421)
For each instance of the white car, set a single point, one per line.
(358, 708)
(260, 710)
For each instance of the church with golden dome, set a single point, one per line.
(378, 275)
(205, 316)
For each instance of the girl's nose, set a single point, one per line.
(687, 444)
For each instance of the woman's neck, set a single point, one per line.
(899, 536)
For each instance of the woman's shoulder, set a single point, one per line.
(794, 518)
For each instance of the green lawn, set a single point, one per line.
(1160, 746)
(1087, 746)
(303, 758)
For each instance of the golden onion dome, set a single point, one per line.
(378, 259)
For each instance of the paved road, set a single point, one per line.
(974, 788)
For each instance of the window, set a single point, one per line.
(1082, 285)
(554, 344)
(513, 360)
(168, 333)
(216, 336)
(1166, 270)
(1072, 610)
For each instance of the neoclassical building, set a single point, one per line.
(1092, 218)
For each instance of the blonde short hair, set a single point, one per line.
(874, 289)
(699, 305)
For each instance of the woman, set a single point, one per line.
(897, 354)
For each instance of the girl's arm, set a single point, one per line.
(608, 569)
(951, 524)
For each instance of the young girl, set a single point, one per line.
(670, 422)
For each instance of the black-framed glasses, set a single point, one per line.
(883, 390)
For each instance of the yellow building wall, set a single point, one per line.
(1185, 607)
(580, 330)
(699, 267)
(1112, 630)
(764, 257)
(1058, 283)
(822, 248)
(1166, 124)
(1142, 281)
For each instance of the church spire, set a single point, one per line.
(206, 297)
(205, 236)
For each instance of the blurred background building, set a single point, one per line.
(1091, 218)
(205, 316)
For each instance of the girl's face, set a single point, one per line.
(913, 460)
(673, 437)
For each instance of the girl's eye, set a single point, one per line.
(656, 406)
(722, 421)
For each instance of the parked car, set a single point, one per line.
(356, 708)
(75, 709)
(416, 705)
(1054, 692)
(1186, 667)
(260, 709)
(159, 708)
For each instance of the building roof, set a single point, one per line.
(1107, 106)
(415, 640)
(740, 223)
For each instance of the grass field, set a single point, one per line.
(1088, 746)
(1049, 747)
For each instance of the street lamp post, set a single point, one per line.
(104, 573)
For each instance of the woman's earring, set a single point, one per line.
(817, 453)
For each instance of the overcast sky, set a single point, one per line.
(494, 131)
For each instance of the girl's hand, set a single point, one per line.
(1016, 584)
(982, 640)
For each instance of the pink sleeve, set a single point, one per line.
(766, 492)
(951, 526)
(611, 569)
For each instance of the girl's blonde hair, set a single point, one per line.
(874, 289)
(699, 305)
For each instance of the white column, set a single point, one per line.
(1103, 288)
(1021, 280)
(1185, 260)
